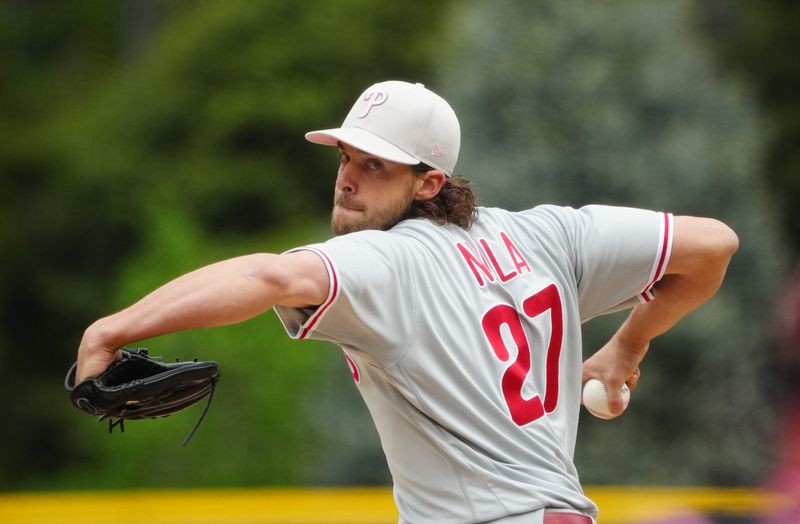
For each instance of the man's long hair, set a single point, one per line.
(455, 203)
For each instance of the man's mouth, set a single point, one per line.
(347, 205)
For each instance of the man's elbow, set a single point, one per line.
(726, 240)
(719, 244)
(701, 245)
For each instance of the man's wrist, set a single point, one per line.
(630, 344)
(100, 336)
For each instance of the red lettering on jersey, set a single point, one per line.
(504, 277)
(475, 264)
(480, 268)
(515, 254)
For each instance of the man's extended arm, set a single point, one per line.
(701, 251)
(219, 294)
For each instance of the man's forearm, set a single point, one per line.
(677, 294)
(220, 294)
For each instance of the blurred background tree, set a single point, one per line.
(757, 40)
(143, 139)
(580, 102)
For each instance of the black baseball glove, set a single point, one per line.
(139, 386)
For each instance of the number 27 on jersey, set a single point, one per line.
(524, 411)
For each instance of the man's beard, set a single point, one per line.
(384, 220)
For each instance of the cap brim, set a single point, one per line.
(363, 140)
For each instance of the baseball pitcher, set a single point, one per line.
(461, 324)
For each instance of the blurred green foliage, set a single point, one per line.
(143, 139)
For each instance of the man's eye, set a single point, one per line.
(343, 157)
(374, 164)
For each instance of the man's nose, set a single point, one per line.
(345, 179)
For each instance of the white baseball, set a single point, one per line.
(595, 398)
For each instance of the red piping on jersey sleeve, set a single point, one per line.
(332, 294)
(662, 257)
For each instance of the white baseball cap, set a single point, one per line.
(400, 122)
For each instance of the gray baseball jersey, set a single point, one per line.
(466, 346)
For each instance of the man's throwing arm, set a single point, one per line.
(701, 251)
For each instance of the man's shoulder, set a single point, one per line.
(539, 214)
(397, 238)
(487, 218)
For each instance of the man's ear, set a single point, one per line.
(429, 184)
